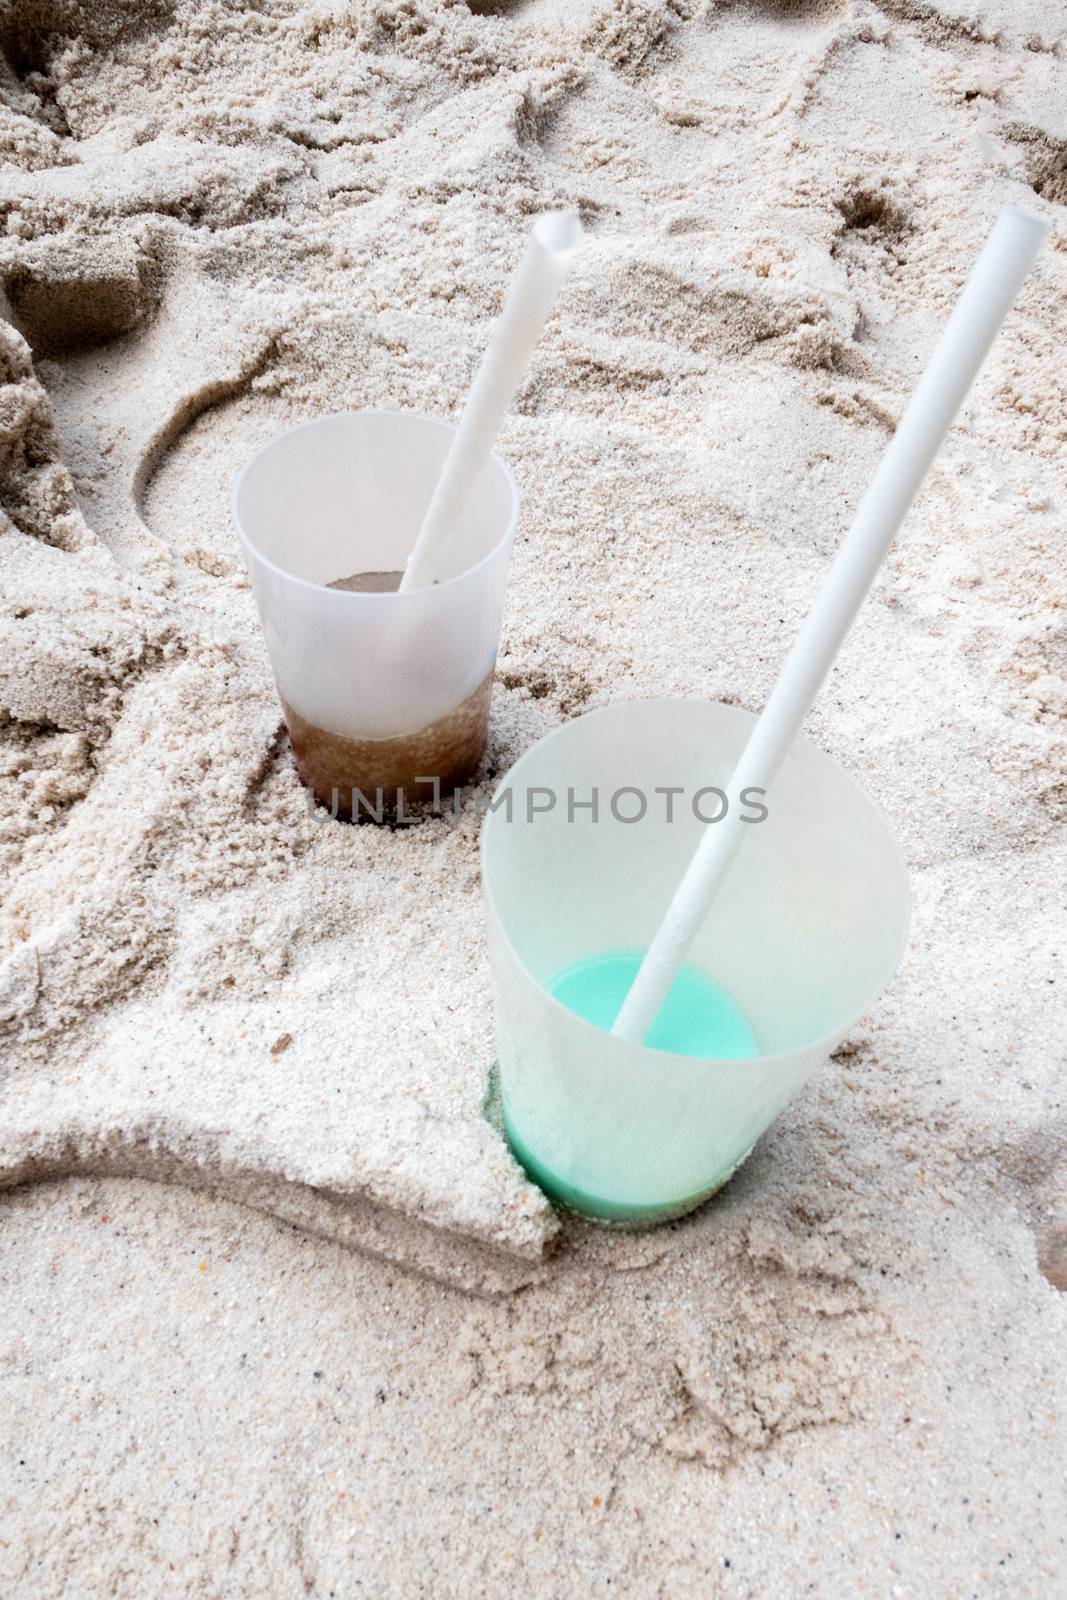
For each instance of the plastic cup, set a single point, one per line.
(806, 930)
(386, 695)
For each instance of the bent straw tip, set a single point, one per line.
(559, 233)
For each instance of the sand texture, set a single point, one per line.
(218, 219)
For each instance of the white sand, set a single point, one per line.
(222, 219)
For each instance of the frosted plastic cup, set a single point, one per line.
(386, 695)
(807, 929)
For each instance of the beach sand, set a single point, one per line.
(844, 1375)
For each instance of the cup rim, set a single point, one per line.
(825, 1042)
(344, 595)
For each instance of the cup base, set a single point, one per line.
(378, 780)
(615, 1213)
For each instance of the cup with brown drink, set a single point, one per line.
(385, 693)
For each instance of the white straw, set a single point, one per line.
(994, 282)
(553, 241)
